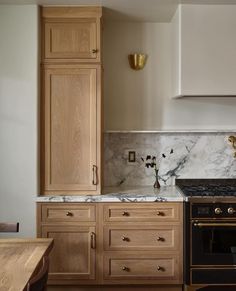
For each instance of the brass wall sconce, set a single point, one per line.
(232, 140)
(137, 61)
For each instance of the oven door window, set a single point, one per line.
(213, 243)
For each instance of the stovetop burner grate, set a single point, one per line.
(208, 189)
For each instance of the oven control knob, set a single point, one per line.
(231, 210)
(218, 210)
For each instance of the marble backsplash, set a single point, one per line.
(196, 155)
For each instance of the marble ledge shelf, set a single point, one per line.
(174, 131)
(118, 194)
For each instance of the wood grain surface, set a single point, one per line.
(19, 258)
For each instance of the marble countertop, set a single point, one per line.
(123, 194)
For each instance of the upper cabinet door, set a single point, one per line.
(71, 129)
(67, 38)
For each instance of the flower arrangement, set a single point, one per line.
(152, 162)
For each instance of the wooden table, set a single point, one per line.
(19, 258)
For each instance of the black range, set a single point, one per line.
(210, 232)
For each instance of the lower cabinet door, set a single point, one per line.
(73, 254)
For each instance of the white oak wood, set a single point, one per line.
(141, 212)
(73, 257)
(19, 258)
(71, 129)
(52, 212)
(71, 34)
(141, 267)
(135, 237)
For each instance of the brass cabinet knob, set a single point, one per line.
(231, 210)
(159, 213)
(159, 268)
(124, 238)
(94, 51)
(125, 213)
(218, 210)
(159, 238)
(69, 213)
(124, 268)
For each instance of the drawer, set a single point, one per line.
(140, 267)
(137, 238)
(142, 212)
(68, 213)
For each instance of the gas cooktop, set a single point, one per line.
(207, 187)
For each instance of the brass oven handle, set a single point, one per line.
(93, 240)
(95, 180)
(213, 224)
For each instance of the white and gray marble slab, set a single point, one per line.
(123, 194)
(196, 155)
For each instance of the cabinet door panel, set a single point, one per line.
(72, 256)
(70, 129)
(72, 39)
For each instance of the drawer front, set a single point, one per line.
(68, 213)
(141, 267)
(140, 212)
(136, 238)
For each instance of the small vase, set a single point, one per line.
(156, 184)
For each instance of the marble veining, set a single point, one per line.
(196, 155)
(123, 194)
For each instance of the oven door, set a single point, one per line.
(213, 243)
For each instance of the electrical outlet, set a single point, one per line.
(131, 157)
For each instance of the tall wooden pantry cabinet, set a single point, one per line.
(71, 100)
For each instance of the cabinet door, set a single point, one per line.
(72, 39)
(71, 129)
(73, 253)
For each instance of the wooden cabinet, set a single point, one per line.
(91, 250)
(71, 101)
(142, 243)
(73, 228)
(71, 129)
(73, 254)
(133, 268)
(71, 34)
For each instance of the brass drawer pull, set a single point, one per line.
(95, 177)
(125, 213)
(159, 268)
(94, 51)
(93, 240)
(159, 238)
(68, 213)
(160, 213)
(124, 268)
(124, 238)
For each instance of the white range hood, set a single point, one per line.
(204, 51)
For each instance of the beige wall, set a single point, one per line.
(141, 100)
(18, 115)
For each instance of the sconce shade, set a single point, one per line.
(137, 61)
